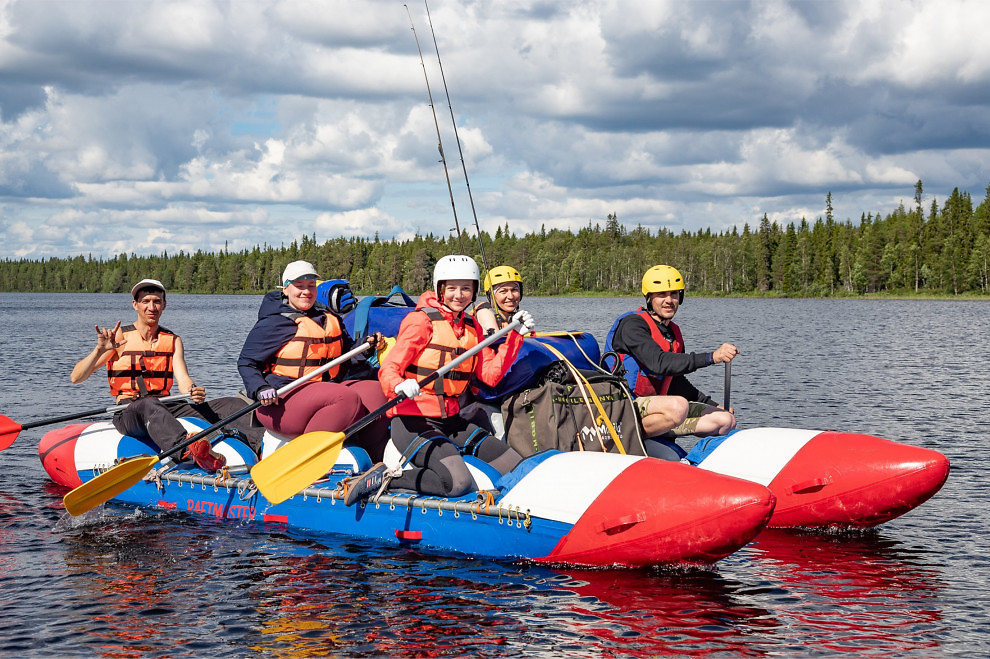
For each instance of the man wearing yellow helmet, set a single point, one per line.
(666, 400)
(503, 286)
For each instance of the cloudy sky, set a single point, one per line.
(140, 126)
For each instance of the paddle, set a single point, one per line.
(305, 459)
(10, 429)
(112, 482)
(728, 378)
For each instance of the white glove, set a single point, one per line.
(408, 388)
(526, 321)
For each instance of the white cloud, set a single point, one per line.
(150, 125)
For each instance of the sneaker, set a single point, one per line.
(360, 487)
(206, 458)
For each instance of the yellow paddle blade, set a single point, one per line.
(297, 465)
(109, 484)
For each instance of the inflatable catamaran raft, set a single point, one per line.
(583, 508)
(589, 509)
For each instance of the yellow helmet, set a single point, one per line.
(500, 275)
(661, 278)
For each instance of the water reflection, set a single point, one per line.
(850, 592)
(665, 612)
(167, 585)
(140, 583)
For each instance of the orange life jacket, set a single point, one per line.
(140, 370)
(647, 382)
(444, 347)
(310, 348)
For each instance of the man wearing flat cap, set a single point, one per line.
(144, 360)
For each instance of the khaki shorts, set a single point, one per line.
(695, 412)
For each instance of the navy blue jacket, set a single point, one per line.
(272, 331)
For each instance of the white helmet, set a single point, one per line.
(455, 266)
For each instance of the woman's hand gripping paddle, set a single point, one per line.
(300, 463)
(121, 477)
(10, 429)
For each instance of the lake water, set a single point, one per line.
(150, 583)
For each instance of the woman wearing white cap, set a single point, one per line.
(295, 335)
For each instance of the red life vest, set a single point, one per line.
(444, 347)
(310, 348)
(138, 369)
(647, 382)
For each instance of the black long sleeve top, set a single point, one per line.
(633, 337)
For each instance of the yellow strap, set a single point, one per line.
(603, 417)
(587, 403)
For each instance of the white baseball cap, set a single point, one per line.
(147, 283)
(298, 270)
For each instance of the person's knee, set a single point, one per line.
(717, 422)
(674, 407)
(459, 479)
(726, 421)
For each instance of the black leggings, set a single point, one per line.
(149, 418)
(438, 468)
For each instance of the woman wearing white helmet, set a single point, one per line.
(427, 427)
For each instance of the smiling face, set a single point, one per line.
(149, 305)
(301, 294)
(665, 304)
(507, 297)
(457, 294)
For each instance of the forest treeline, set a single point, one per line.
(926, 249)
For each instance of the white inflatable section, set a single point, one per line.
(270, 441)
(563, 486)
(757, 454)
(346, 460)
(234, 459)
(393, 457)
(96, 447)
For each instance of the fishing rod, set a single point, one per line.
(443, 158)
(457, 137)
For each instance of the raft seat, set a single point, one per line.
(485, 475)
(354, 458)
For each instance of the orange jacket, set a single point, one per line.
(429, 339)
(137, 369)
(311, 347)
